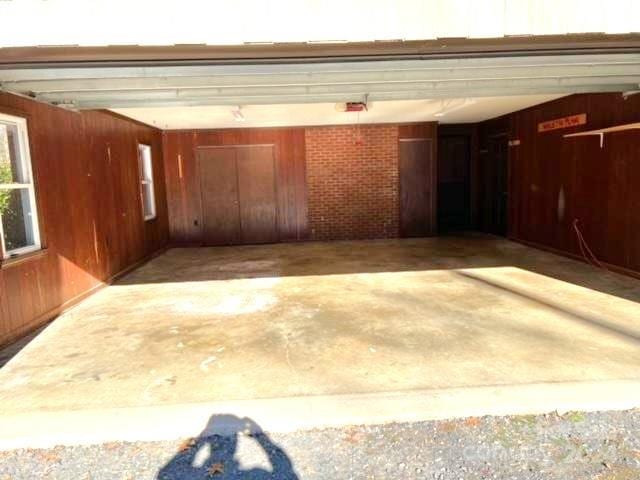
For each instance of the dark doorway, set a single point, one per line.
(238, 190)
(454, 185)
(494, 180)
(417, 196)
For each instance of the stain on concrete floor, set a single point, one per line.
(207, 324)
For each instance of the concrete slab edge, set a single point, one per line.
(45, 429)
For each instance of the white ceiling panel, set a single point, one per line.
(452, 110)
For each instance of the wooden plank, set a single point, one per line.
(616, 128)
(417, 201)
(257, 193)
(218, 175)
(427, 131)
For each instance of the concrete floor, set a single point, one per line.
(325, 319)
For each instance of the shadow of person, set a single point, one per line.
(213, 454)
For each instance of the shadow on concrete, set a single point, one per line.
(13, 348)
(463, 251)
(566, 311)
(214, 455)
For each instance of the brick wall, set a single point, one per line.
(352, 181)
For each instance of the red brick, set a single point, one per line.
(353, 188)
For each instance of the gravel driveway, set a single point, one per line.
(604, 445)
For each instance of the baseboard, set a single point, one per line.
(55, 312)
(136, 265)
(614, 268)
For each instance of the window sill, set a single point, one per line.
(25, 257)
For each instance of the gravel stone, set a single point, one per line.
(573, 446)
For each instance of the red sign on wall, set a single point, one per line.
(565, 122)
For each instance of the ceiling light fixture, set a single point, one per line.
(452, 106)
(237, 114)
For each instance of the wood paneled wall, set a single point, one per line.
(88, 194)
(554, 180)
(307, 198)
(183, 185)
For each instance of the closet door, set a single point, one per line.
(417, 177)
(219, 190)
(257, 193)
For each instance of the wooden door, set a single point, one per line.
(257, 193)
(219, 193)
(417, 196)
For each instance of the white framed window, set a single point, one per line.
(147, 191)
(19, 230)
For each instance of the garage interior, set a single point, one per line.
(289, 233)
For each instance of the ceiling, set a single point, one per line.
(454, 110)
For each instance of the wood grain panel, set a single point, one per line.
(183, 188)
(417, 203)
(257, 194)
(555, 180)
(218, 174)
(428, 179)
(88, 206)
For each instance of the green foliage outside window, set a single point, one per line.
(5, 177)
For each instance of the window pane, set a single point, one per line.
(147, 201)
(11, 169)
(144, 163)
(141, 162)
(17, 218)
